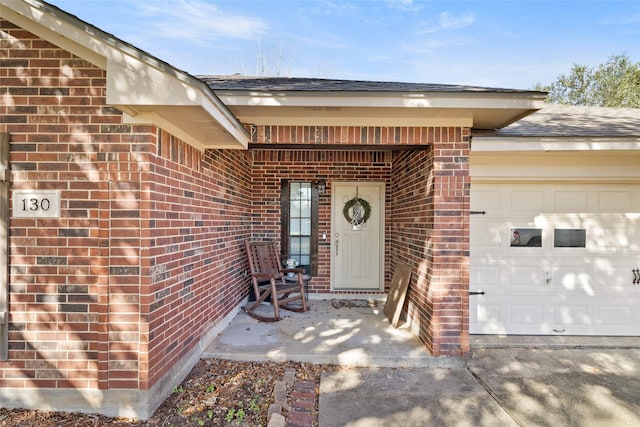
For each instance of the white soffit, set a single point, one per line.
(508, 144)
(483, 111)
(148, 90)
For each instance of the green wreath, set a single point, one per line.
(351, 203)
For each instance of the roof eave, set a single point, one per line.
(545, 143)
(130, 73)
(382, 99)
(485, 110)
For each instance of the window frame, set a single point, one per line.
(4, 245)
(285, 221)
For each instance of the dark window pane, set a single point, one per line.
(569, 238)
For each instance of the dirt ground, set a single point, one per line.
(216, 393)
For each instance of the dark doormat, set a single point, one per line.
(350, 303)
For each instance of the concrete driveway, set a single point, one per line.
(562, 387)
(579, 387)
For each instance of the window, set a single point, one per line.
(569, 238)
(526, 237)
(300, 223)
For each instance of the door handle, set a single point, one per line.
(337, 243)
(636, 276)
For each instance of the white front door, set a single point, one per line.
(357, 257)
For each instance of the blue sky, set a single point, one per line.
(512, 44)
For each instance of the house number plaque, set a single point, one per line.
(36, 204)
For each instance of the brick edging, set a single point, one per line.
(302, 397)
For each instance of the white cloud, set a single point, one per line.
(331, 8)
(404, 5)
(626, 20)
(450, 22)
(429, 45)
(447, 22)
(198, 21)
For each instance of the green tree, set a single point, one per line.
(616, 83)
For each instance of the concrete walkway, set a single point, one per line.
(393, 381)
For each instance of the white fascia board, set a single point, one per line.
(390, 99)
(506, 144)
(346, 120)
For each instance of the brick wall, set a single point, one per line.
(430, 232)
(63, 137)
(270, 167)
(146, 257)
(345, 135)
(199, 216)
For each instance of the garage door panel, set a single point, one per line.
(521, 276)
(581, 284)
(573, 280)
(524, 277)
(527, 314)
(488, 236)
(617, 317)
(609, 316)
(525, 200)
(571, 318)
(486, 317)
(486, 277)
(613, 234)
(485, 198)
(614, 313)
(615, 280)
(570, 201)
(614, 201)
(500, 315)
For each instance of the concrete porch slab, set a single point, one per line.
(357, 335)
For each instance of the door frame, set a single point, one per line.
(382, 209)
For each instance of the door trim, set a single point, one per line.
(382, 209)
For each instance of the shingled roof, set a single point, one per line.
(573, 121)
(239, 82)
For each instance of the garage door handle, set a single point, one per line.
(636, 276)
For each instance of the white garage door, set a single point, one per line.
(555, 259)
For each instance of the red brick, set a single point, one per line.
(106, 169)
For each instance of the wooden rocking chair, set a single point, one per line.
(268, 279)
